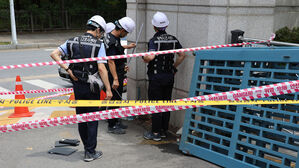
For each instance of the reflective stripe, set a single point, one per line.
(159, 46)
(18, 83)
(92, 52)
(71, 50)
(164, 41)
(61, 51)
(84, 43)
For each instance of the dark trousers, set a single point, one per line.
(116, 96)
(160, 90)
(88, 130)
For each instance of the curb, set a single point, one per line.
(26, 46)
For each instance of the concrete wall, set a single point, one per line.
(199, 23)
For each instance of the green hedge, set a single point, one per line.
(288, 35)
(44, 15)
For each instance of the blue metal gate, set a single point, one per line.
(250, 135)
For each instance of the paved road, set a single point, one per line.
(32, 78)
(29, 148)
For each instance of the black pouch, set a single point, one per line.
(72, 142)
(81, 75)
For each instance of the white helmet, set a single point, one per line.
(97, 21)
(160, 20)
(109, 27)
(127, 23)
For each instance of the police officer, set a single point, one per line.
(117, 68)
(87, 78)
(161, 71)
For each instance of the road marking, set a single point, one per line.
(4, 120)
(59, 113)
(30, 77)
(45, 113)
(50, 49)
(6, 96)
(39, 113)
(42, 84)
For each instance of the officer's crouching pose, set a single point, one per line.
(161, 71)
(87, 78)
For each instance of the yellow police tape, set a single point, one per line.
(93, 103)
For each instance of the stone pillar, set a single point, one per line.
(136, 9)
(199, 23)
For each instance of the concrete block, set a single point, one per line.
(23, 46)
(193, 29)
(135, 1)
(219, 2)
(194, 9)
(137, 90)
(249, 25)
(159, 2)
(177, 118)
(194, 2)
(184, 75)
(42, 45)
(258, 3)
(286, 16)
(132, 14)
(217, 34)
(287, 3)
(7, 47)
(163, 7)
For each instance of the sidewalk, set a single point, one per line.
(29, 149)
(38, 39)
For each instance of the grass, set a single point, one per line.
(4, 43)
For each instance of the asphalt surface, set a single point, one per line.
(30, 148)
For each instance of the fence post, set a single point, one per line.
(13, 23)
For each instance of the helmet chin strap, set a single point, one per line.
(98, 35)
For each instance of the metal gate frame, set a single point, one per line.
(243, 136)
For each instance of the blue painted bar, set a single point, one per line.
(259, 135)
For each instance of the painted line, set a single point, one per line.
(6, 96)
(63, 112)
(50, 49)
(43, 112)
(30, 77)
(42, 84)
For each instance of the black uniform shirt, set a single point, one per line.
(114, 48)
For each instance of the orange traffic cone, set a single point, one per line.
(20, 111)
(72, 97)
(103, 95)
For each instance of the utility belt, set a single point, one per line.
(121, 69)
(82, 71)
(162, 69)
(85, 74)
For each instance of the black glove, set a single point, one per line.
(175, 70)
(73, 142)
